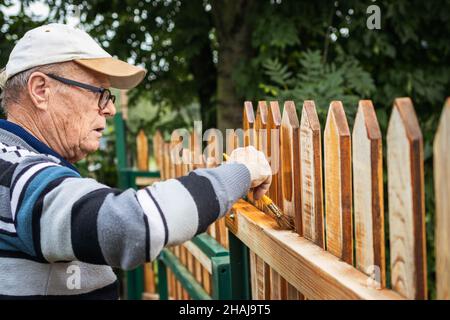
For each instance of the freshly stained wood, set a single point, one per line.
(311, 175)
(311, 270)
(406, 202)
(248, 125)
(142, 150)
(278, 285)
(442, 194)
(261, 136)
(248, 122)
(338, 187)
(221, 232)
(273, 151)
(261, 126)
(368, 194)
(290, 164)
(158, 150)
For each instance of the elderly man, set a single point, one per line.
(53, 221)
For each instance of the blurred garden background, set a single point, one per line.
(205, 57)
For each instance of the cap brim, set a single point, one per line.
(121, 75)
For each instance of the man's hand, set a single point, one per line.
(260, 171)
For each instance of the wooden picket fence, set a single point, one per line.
(336, 200)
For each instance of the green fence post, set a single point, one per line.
(187, 280)
(240, 268)
(121, 152)
(162, 281)
(221, 278)
(135, 278)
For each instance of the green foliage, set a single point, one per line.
(283, 33)
(343, 80)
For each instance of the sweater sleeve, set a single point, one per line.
(60, 216)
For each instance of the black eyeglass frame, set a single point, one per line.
(101, 90)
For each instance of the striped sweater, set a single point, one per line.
(60, 233)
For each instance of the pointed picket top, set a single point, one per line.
(248, 124)
(368, 194)
(442, 193)
(406, 202)
(261, 126)
(311, 174)
(290, 164)
(338, 184)
(273, 151)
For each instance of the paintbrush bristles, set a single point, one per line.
(283, 221)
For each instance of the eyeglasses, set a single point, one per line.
(105, 94)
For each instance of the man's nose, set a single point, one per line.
(110, 109)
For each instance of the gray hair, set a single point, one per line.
(11, 91)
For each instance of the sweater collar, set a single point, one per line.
(33, 142)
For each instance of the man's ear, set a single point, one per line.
(39, 90)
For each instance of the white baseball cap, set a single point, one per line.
(57, 42)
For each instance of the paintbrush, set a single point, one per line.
(273, 210)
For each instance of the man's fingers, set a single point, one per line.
(262, 189)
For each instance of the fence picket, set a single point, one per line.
(442, 191)
(368, 193)
(406, 202)
(311, 174)
(338, 188)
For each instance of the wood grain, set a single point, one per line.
(261, 137)
(311, 175)
(442, 195)
(261, 126)
(338, 187)
(406, 202)
(273, 151)
(248, 124)
(290, 165)
(278, 286)
(368, 194)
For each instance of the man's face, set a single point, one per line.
(76, 115)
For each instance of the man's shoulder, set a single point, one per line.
(14, 154)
